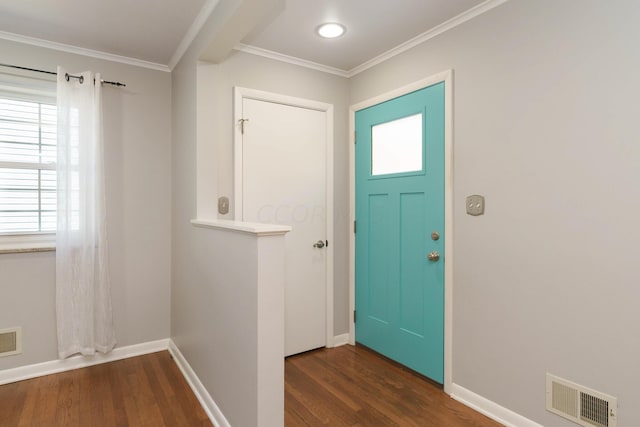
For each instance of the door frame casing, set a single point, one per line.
(240, 93)
(447, 78)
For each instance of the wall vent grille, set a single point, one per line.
(10, 341)
(580, 404)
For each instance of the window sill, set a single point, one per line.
(26, 250)
(22, 243)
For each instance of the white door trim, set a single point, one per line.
(239, 94)
(447, 78)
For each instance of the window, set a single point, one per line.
(27, 169)
(396, 146)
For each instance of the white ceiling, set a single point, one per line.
(149, 30)
(373, 28)
(152, 30)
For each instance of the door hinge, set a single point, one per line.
(355, 137)
(354, 226)
(354, 316)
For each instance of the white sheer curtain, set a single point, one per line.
(83, 296)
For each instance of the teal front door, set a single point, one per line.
(400, 229)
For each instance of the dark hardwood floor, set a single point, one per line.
(147, 390)
(353, 386)
(344, 386)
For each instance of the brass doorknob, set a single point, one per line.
(433, 256)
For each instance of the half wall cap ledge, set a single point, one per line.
(257, 229)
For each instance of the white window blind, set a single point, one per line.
(27, 164)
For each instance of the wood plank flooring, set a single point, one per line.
(147, 390)
(353, 386)
(344, 386)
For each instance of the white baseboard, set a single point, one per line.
(491, 409)
(339, 340)
(210, 407)
(55, 366)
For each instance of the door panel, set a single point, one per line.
(378, 274)
(411, 273)
(399, 203)
(284, 182)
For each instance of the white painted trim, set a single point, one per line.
(330, 227)
(448, 230)
(10, 243)
(340, 340)
(403, 47)
(270, 54)
(254, 228)
(208, 404)
(239, 94)
(83, 51)
(192, 32)
(491, 409)
(77, 362)
(447, 78)
(411, 87)
(428, 35)
(293, 101)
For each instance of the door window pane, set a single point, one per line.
(396, 146)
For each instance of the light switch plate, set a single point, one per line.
(475, 205)
(223, 205)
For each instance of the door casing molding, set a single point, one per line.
(447, 78)
(239, 94)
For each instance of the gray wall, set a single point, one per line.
(546, 127)
(216, 337)
(138, 184)
(545, 106)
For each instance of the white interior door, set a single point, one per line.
(284, 182)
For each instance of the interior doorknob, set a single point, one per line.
(433, 256)
(319, 244)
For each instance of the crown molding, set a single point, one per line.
(206, 11)
(290, 59)
(193, 32)
(186, 41)
(82, 51)
(427, 35)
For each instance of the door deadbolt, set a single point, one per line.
(435, 235)
(433, 256)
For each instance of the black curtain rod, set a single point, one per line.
(67, 76)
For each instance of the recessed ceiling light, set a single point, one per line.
(330, 30)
